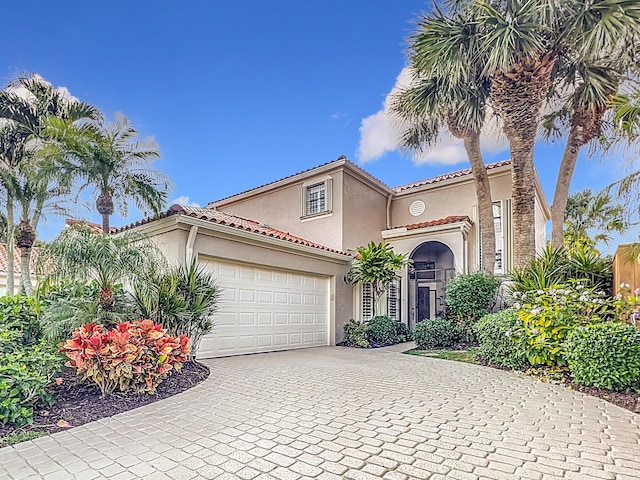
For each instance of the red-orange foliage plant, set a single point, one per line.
(132, 357)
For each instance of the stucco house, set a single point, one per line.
(281, 251)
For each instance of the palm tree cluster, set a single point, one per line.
(515, 57)
(52, 148)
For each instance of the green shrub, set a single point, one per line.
(19, 313)
(494, 334)
(379, 331)
(558, 265)
(605, 355)
(433, 333)
(383, 330)
(355, 334)
(469, 298)
(546, 317)
(25, 372)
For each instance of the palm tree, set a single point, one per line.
(506, 43)
(451, 100)
(519, 45)
(108, 260)
(590, 219)
(110, 158)
(593, 67)
(24, 105)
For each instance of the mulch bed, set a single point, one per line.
(78, 403)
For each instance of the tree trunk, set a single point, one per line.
(586, 124)
(25, 238)
(10, 247)
(485, 203)
(523, 197)
(567, 166)
(26, 287)
(104, 205)
(106, 299)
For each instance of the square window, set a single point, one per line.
(316, 198)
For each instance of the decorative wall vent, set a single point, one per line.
(417, 208)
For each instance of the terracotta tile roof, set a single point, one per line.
(222, 218)
(337, 161)
(16, 266)
(447, 176)
(97, 228)
(441, 221)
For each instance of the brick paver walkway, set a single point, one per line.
(332, 413)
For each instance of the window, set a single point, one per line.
(392, 301)
(501, 211)
(367, 301)
(316, 197)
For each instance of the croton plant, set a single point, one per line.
(132, 357)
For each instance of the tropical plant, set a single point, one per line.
(183, 300)
(493, 332)
(605, 355)
(110, 158)
(469, 297)
(130, 358)
(435, 102)
(546, 317)
(111, 261)
(587, 213)
(433, 333)
(25, 104)
(520, 45)
(377, 265)
(554, 266)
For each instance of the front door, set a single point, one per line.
(426, 301)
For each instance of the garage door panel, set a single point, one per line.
(265, 310)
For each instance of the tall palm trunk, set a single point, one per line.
(104, 205)
(10, 247)
(586, 124)
(25, 237)
(517, 95)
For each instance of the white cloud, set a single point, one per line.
(184, 201)
(380, 133)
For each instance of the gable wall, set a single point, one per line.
(280, 208)
(364, 213)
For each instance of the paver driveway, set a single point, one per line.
(345, 413)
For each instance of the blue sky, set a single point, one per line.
(238, 94)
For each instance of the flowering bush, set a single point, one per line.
(131, 357)
(546, 317)
(495, 345)
(627, 304)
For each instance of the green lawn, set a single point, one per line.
(467, 356)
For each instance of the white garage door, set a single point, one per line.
(265, 310)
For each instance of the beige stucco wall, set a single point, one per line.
(257, 251)
(364, 213)
(447, 198)
(281, 208)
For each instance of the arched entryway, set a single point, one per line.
(433, 266)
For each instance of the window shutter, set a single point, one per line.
(393, 300)
(367, 301)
